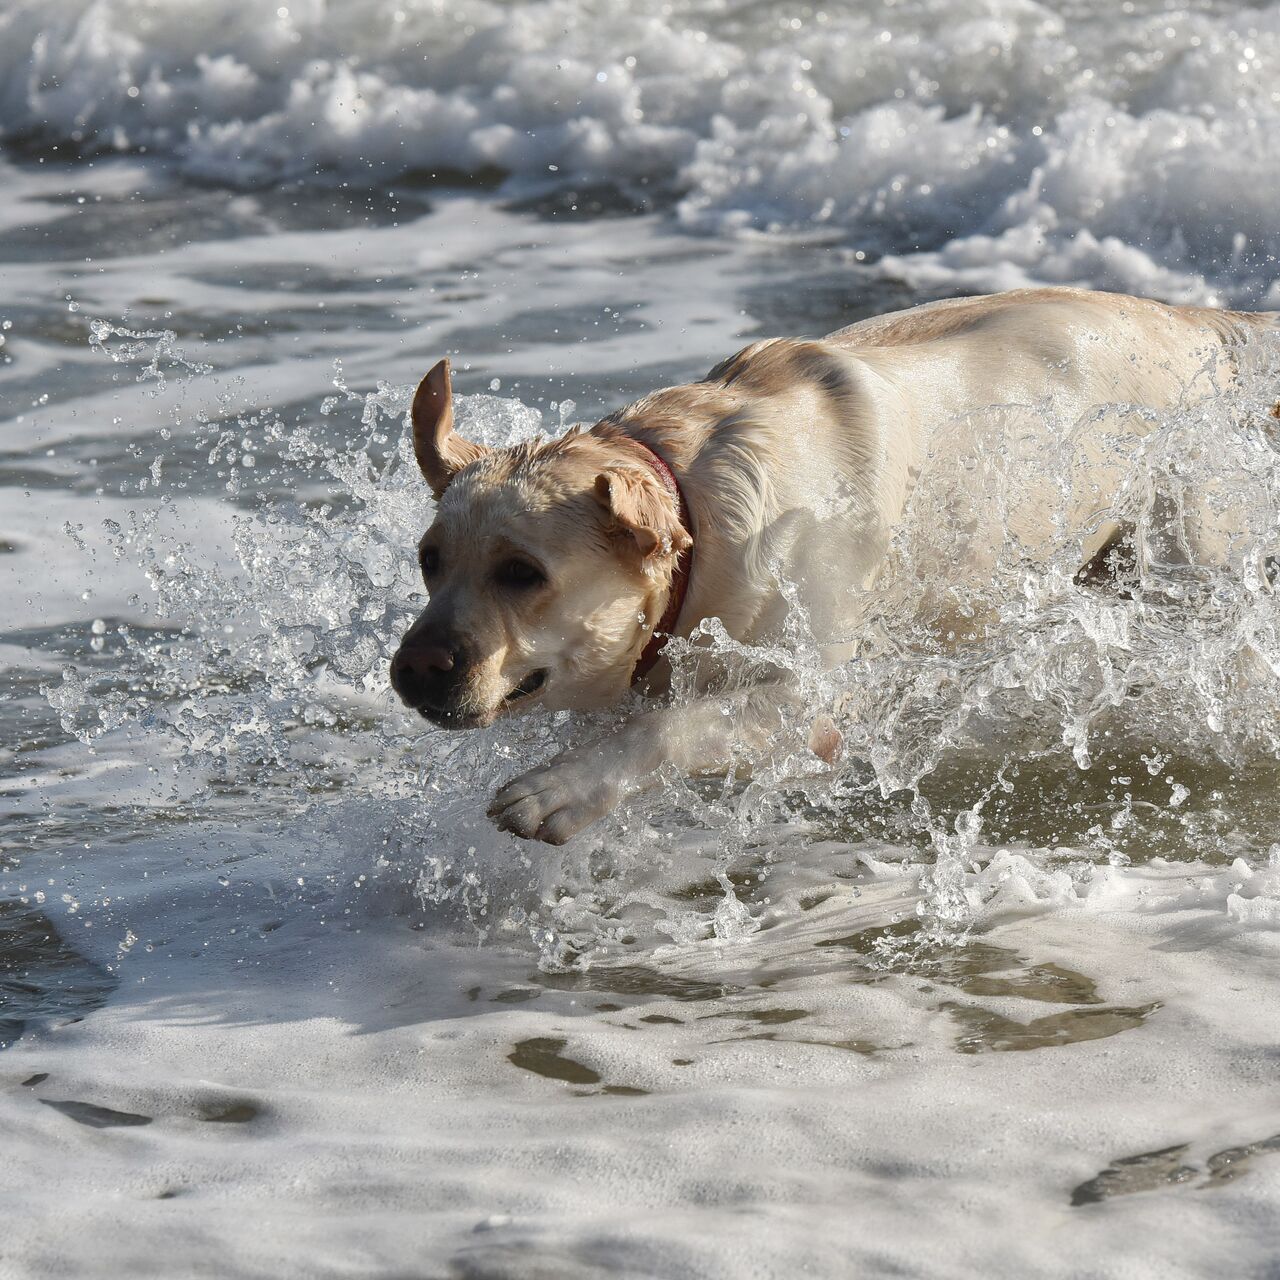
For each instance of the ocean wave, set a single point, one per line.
(987, 141)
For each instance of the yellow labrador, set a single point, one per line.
(555, 568)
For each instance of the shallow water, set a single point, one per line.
(277, 999)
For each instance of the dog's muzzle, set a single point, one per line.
(433, 680)
(430, 679)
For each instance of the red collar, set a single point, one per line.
(679, 576)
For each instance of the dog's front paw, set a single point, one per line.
(557, 800)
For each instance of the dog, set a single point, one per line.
(557, 569)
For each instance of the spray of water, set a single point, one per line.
(266, 681)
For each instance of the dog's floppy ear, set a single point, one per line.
(640, 505)
(440, 452)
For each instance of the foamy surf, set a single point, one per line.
(981, 145)
(290, 1084)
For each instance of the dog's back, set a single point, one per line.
(953, 316)
(839, 431)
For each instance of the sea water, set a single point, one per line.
(995, 995)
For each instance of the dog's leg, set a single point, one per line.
(558, 799)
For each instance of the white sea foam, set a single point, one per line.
(983, 142)
(304, 1090)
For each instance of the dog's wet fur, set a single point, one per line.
(549, 563)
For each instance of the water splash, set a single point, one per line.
(153, 351)
(266, 678)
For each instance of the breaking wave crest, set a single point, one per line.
(975, 145)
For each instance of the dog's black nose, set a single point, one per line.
(422, 659)
(423, 674)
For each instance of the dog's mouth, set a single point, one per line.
(454, 717)
(450, 717)
(531, 684)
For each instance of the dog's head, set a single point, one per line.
(547, 565)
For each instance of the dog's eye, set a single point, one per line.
(519, 573)
(429, 560)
